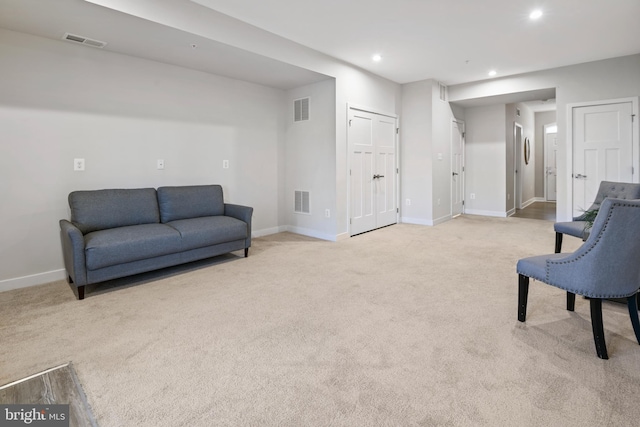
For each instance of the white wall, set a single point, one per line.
(309, 161)
(425, 154)
(441, 153)
(60, 101)
(593, 81)
(416, 168)
(485, 154)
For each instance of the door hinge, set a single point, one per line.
(397, 210)
(463, 203)
(397, 131)
(464, 134)
(397, 170)
(349, 123)
(350, 221)
(633, 117)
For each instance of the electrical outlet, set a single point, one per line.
(408, 202)
(438, 202)
(78, 164)
(225, 164)
(327, 213)
(160, 164)
(472, 196)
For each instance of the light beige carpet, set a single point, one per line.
(405, 326)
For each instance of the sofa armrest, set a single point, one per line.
(243, 213)
(73, 252)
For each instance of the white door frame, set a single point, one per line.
(546, 166)
(462, 174)
(397, 147)
(635, 144)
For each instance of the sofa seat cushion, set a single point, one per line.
(209, 230)
(114, 246)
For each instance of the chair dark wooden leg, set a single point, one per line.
(558, 242)
(523, 292)
(571, 301)
(246, 252)
(633, 313)
(598, 328)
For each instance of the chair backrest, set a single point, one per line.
(615, 190)
(607, 265)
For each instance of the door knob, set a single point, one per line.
(378, 176)
(455, 173)
(580, 176)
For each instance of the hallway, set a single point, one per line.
(539, 210)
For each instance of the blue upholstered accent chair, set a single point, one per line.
(578, 227)
(606, 266)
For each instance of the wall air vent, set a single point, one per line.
(301, 110)
(443, 91)
(301, 202)
(83, 40)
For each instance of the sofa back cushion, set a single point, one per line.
(190, 202)
(102, 209)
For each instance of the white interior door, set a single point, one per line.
(385, 185)
(457, 168)
(373, 171)
(602, 149)
(550, 164)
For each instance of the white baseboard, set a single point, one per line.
(485, 213)
(268, 231)
(32, 280)
(311, 233)
(529, 202)
(422, 221)
(417, 221)
(441, 219)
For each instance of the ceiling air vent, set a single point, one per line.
(301, 110)
(83, 40)
(301, 202)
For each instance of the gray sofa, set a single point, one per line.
(120, 232)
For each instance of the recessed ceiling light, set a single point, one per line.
(492, 73)
(377, 57)
(535, 14)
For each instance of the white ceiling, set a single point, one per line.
(422, 39)
(453, 41)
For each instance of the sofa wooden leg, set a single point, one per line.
(598, 328)
(246, 252)
(80, 292)
(523, 292)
